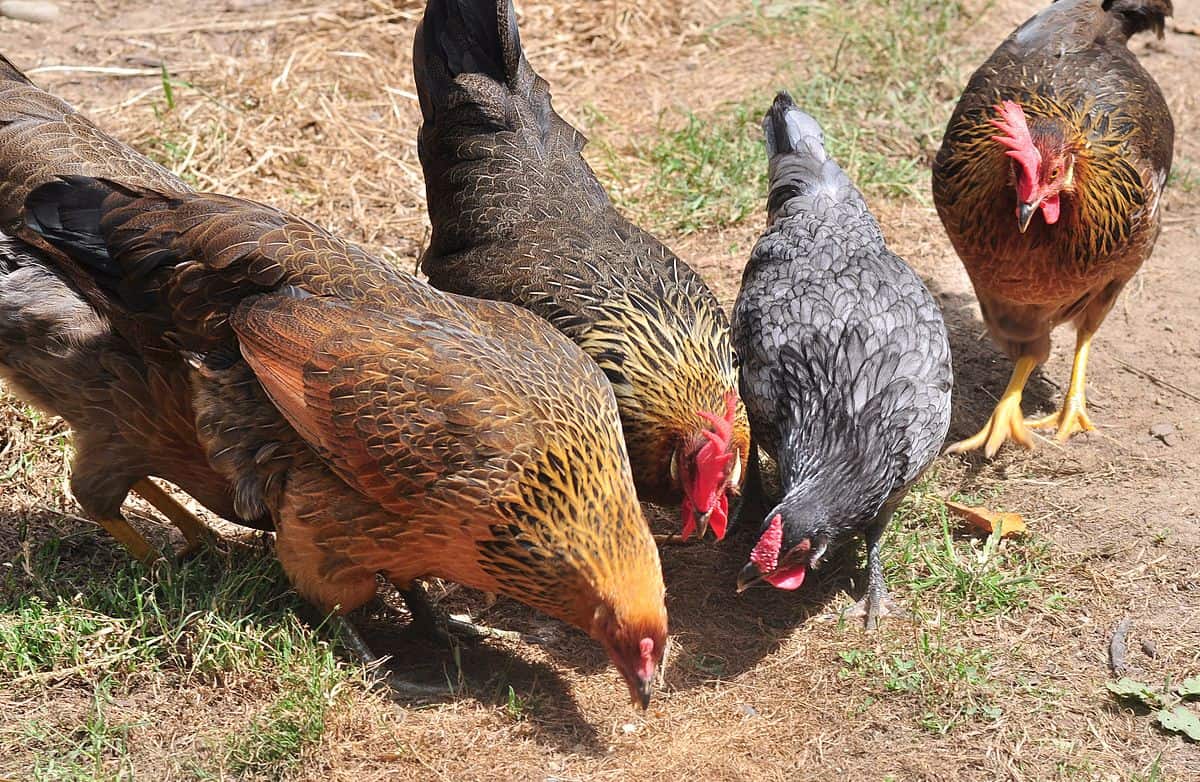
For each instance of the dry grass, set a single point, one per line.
(201, 671)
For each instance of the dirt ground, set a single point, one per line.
(286, 101)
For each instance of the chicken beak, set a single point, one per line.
(1025, 215)
(749, 576)
(644, 689)
(702, 523)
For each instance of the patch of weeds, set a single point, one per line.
(964, 576)
(95, 751)
(872, 94)
(1184, 177)
(1167, 703)
(311, 684)
(950, 684)
(515, 706)
(766, 19)
(208, 616)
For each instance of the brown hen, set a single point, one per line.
(386, 427)
(1049, 182)
(519, 216)
(129, 411)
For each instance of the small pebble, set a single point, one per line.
(29, 10)
(1150, 649)
(1165, 432)
(747, 711)
(629, 727)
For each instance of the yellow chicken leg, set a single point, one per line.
(195, 532)
(1073, 417)
(1006, 421)
(138, 547)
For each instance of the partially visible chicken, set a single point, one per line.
(519, 216)
(1062, 122)
(385, 426)
(845, 364)
(129, 412)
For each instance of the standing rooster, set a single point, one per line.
(519, 216)
(845, 364)
(1049, 183)
(386, 427)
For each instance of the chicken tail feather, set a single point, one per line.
(459, 37)
(1139, 16)
(799, 164)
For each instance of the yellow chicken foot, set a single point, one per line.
(133, 541)
(1073, 417)
(1006, 421)
(195, 532)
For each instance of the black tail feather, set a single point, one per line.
(457, 37)
(1139, 16)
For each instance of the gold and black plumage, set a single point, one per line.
(386, 427)
(518, 216)
(1049, 182)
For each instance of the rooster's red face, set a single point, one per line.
(707, 470)
(1042, 167)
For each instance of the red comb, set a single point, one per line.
(646, 669)
(765, 555)
(1018, 141)
(707, 491)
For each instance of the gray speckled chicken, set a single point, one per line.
(845, 364)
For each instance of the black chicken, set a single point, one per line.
(845, 364)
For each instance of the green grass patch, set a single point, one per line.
(275, 741)
(932, 564)
(214, 620)
(870, 84)
(949, 684)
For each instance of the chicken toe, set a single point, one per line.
(1007, 421)
(1073, 417)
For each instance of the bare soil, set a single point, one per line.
(315, 112)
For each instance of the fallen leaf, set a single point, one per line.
(1189, 688)
(987, 521)
(1181, 720)
(1131, 688)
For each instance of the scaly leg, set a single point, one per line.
(1006, 421)
(195, 532)
(438, 626)
(876, 602)
(131, 539)
(1073, 417)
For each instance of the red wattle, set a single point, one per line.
(719, 520)
(1051, 208)
(788, 578)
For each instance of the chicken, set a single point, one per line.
(386, 427)
(519, 216)
(845, 364)
(1049, 182)
(130, 413)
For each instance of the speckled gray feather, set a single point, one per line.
(845, 361)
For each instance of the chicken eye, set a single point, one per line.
(1054, 172)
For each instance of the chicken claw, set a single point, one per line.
(1007, 421)
(1073, 417)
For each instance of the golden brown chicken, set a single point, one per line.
(130, 412)
(1049, 183)
(518, 216)
(386, 427)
